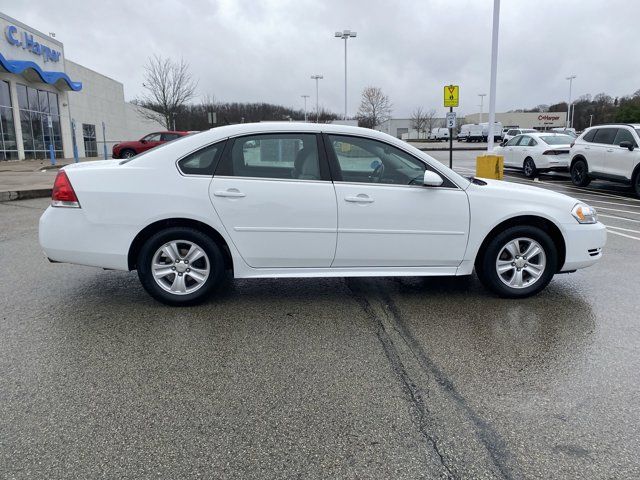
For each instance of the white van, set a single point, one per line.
(471, 132)
(497, 131)
(439, 134)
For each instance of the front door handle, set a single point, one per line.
(360, 198)
(230, 192)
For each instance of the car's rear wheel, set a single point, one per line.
(127, 153)
(529, 168)
(518, 262)
(580, 173)
(180, 266)
(636, 184)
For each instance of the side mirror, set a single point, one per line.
(503, 143)
(143, 141)
(628, 145)
(432, 179)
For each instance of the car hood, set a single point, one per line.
(510, 191)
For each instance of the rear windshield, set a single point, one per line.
(557, 139)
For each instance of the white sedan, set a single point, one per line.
(307, 200)
(536, 152)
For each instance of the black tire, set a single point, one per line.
(127, 153)
(183, 236)
(636, 184)
(486, 267)
(580, 173)
(529, 168)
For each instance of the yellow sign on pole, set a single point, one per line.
(451, 95)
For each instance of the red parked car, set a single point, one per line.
(130, 149)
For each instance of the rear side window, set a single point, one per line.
(513, 132)
(605, 135)
(624, 135)
(280, 155)
(202, 162)
(589, 135)
(524, 141)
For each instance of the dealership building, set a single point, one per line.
(537, 120)
(48, 102)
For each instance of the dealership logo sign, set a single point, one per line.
(548, 117)
(27, 42)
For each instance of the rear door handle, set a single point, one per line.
(360, 198)
(231, 192)
(609, 149)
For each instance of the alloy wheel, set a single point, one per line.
(180, 267)
(521, 263)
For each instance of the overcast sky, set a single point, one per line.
(250, 50)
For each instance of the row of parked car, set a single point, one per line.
(605, 152)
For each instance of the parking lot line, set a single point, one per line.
(623, 229)
(619, 218)
(623, 235)
(610, 203)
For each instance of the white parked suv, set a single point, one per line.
(274, 200)
(607, 152)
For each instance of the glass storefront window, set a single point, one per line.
(8, 145)
(89, 137)
(36, 107)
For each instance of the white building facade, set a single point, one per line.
(50, 105)
(537, 120)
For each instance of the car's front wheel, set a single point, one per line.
(180, 266)
(127, 153)
(518, 262)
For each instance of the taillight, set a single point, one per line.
(63, 194)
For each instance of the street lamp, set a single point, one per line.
(494, 74)
(316, 78)
(305, 107)
(345, 35)
(570, 78)
(481, 95)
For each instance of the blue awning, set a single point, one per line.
(24, 68)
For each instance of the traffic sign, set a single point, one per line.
(451, 119)
(451, 95)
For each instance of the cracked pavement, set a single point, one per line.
(314, 378)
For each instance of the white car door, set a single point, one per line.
(602, 141)
(275, 198)
(508, 151)
(386, 216)
(520, 150)
(619, 161)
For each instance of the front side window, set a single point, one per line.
(624, 135)
(513, 141)
(605, 135)
(152, 137)
(364, 160)
(278, 155)
(202, 162)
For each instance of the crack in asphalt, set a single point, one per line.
(489, 438)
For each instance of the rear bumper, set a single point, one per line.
(584, 245)
(66, 235)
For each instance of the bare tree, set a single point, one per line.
(419, 120)
(169, 86)
(375, 108)
(430, 120)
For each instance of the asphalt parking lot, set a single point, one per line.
(321, 378)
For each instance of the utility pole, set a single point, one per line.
(494, 74)
(345, 35)
(316, 78)
(305, 107)
(570, 78)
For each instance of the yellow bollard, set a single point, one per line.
(490, 166)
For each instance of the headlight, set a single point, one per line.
(583, 213)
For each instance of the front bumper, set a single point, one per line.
(584, 245)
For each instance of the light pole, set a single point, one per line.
(316, 78)
(570, 78)
(305, 107)
(494, 73)
(590, 119)
(481, 95)
(345, 35)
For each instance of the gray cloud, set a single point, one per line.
(266, 50)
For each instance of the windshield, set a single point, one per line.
(557, 139)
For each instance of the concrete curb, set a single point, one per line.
(24, 194)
